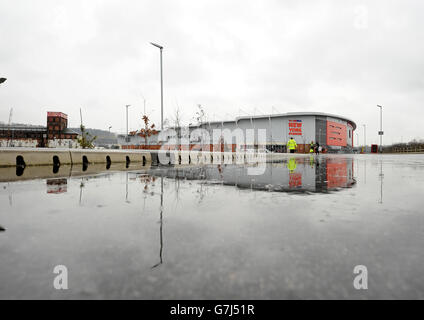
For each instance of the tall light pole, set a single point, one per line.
(2, 80)
(127, 139)
(144, 106)
(161, 85)
(365, 138)
(380, 133)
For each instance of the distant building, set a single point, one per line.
(56, 134)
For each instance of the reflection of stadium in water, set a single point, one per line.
(299, 174)
(295, 174)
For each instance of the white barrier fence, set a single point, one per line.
(44, 156)
(55, 157)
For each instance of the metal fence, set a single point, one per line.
(408, 149)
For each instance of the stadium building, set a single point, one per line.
(334, 133)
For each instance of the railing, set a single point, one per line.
(408, 150)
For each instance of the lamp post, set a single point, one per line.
(380, 133)
(110, 127)
(2, 80)
(365, 138)
(127, 138)
(161, 84)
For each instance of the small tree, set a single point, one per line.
(177, 119)
(86, 140)
(148, 130)
(166, 123)
(200, 117)
(200, 114)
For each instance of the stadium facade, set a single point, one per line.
(333, 132)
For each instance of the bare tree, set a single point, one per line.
(177, 121)
(200, 114)
(86, 140)
(166, 123)
(200, 118)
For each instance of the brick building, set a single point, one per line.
(55, 134)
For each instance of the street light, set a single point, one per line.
(161, 84)
(2, 80)
(365, 138)
(380, 133)
(128, 105)
(110, 127)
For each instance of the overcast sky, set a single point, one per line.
(232, 57)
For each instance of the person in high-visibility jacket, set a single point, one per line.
(291, 165)
(292, 145)
(312, 147)
(311, 161)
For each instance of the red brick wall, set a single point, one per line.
(336, 134)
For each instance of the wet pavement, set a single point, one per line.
(295, 231)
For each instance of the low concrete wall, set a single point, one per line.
(45, 156)
(8, 157)
(194, 157)
(115, 156)
(47, 172)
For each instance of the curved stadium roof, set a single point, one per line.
(296, 114)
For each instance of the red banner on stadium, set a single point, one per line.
(295, 127)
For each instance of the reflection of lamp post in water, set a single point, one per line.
(126, 187)
(160, 224)
(81, 186)
(381, 176)
(365, 172)
(10, 195)
(365, 138)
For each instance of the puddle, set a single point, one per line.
(296, 230)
